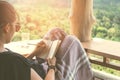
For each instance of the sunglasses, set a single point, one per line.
(17, 25)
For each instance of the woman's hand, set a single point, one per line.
(40, 47)
(52, 61)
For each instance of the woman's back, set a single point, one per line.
(13, 67)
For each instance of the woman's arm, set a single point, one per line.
(51, 72)
(40, 47)
(50, 75)
(51, 69)
(34, 75)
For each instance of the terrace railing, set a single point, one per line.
(108, 55)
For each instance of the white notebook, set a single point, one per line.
(51, 50)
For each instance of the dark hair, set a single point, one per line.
(7, 13)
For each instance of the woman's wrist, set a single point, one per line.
(51, 64)
(30, 56)
(51, 67)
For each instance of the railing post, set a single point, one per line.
(81, 19)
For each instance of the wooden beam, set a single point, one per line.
(81, 19)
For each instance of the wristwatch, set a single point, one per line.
(51, 67)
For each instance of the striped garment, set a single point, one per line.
(72, 61)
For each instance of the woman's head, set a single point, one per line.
(7, 13)
(8, 20)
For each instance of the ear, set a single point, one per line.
(6, 28)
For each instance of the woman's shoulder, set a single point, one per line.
(13, 57)
(11, 54)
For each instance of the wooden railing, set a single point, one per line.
(107, 50)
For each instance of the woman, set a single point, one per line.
(12, 65)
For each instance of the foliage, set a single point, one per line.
(39, 19)
(108, 70)
(48, 15)
(108, 19)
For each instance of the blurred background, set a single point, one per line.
(38, 16)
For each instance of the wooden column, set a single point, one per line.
(81, 19)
